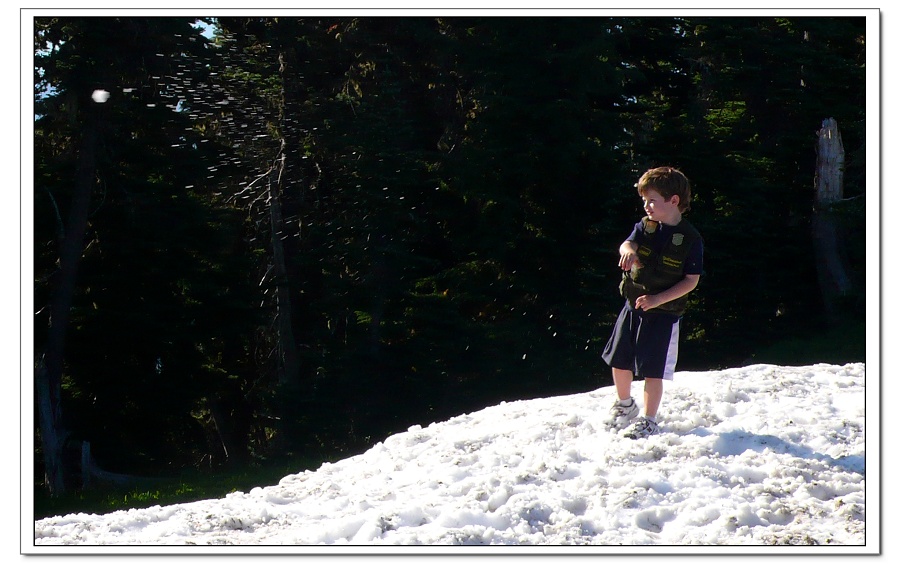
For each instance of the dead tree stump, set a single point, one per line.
(834, 281)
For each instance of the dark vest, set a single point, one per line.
(662, 266)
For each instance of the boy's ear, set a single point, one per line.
(675, 199)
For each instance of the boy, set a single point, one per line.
(662, 261)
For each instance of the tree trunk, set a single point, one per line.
(49, 373)
(52, 434)
(289, 369)
(834, 280)
(829, 164)
(289, 366)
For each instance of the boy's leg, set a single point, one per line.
(622, 378)
(647, 426)
(619, 355)
(657, 357)
(622, 413)
(653, 391)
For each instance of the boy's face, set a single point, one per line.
(659, 209)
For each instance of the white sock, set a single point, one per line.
(653, 418)
(626, 402)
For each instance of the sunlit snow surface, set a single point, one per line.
(760, 455)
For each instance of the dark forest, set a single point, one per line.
(292, 237)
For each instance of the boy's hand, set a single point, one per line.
(646, 302)
(628, 260)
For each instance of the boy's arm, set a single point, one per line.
(688, 283)
(628, 255)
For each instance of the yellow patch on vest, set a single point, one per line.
(671, 262)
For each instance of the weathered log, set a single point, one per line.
(93, 476)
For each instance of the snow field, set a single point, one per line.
(760, 455)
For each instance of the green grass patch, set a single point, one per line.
(190, 487)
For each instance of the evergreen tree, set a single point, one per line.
(135, 344)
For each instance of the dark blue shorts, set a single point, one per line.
(644, 343)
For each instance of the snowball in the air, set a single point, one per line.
(100, 95)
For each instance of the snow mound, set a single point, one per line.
(760, 455)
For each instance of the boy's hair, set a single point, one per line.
(668, 182)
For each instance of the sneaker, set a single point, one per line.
(642, 428)
(621, 415)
